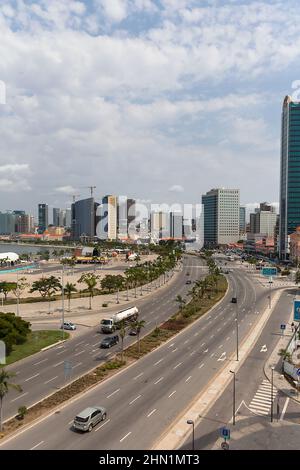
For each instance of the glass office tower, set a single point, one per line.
(289, 174)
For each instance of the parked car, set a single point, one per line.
(88, 418)
(133, 332)
(109, 341)
(67, 325)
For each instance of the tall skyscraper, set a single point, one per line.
(221, 216)
(289, 202)
(43, 217)
(107, 224)
(56, 214)
(83, 218)
(242, 220)
(176, 225)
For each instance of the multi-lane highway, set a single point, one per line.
(143, 400)
(252, 396)
(45, 372)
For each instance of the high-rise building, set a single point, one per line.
(221, 216)
(83, 218)
(56, 214)
(7, 223)
(160, 225)
(68, 220)
(242, 220)
(289, 202)
(42, 217)
(107, 224)
(176, 225)
(125, 216)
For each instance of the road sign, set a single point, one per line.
(225, 432)
(269, 272)
(225, 445)
(282, 326)
(296, 310)
(298, 372)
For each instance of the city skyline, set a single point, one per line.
(147, 108)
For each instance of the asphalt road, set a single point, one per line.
(45, 372)
(143, 400)
(251, 395)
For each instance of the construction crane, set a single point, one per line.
(91, 188)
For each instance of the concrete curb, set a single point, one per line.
(52, 345)
(179, 431)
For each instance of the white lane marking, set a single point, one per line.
(137, 376)
(196, 334)
(61, 352)
(201, 365)
(96, 344)
(75, 345)
(116, 391)
(174, 349)
(151, 413)
(206, 350)
(158, 362)
(212, 336)
(222, 357)
(107, 421)
(58, 364)
(139, 396)
(128, 434)
(189, 378)
(70, 422)
(97, 334)
(77, 365)
(221, 346)
(284, 408)
(228, 337)
(80, 352)
(87, 344)
(212, 355)
(159, 380)
(40, 362)
(219, 329)
(186, 341)
(203, 344)
(53, 378)
(34, 447)
(179, 364)
(172, 394)
(18, 398)
(33, 377)
(192, 353)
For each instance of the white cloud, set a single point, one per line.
(176, 188)
(66, 190)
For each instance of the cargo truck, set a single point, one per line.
(109, 325)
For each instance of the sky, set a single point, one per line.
(160, 100)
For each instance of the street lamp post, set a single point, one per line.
(233, 401)
(190, 421)
(272, 379)
(63, 302)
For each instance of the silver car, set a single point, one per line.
(88, 418)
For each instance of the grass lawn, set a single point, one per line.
(35, 342)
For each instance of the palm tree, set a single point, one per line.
(69, 288)
(91, 281)
(5, 385)
(180, 301)
(138, 325)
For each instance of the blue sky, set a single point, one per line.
(156, 99)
